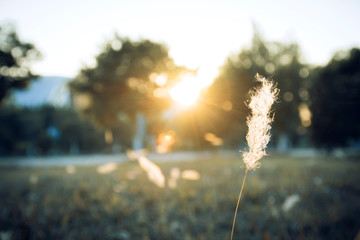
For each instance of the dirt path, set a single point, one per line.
(93, 160)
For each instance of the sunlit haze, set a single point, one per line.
(185, 93)
(187, 90)
(199, 34)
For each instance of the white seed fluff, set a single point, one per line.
(259, 122)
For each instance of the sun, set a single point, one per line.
(187, 91)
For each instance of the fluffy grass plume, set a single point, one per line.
(154, 173)
(259, 121)
(152, 170)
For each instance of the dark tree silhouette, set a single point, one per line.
(336, 101)
(46, 129)
(16, 58)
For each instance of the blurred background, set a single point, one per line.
(87, 84)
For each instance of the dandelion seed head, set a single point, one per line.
(259, 122)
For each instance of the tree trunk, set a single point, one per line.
(140, 132)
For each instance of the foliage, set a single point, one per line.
(277, 60)
(46, 130)
(124, 82)
(16, 58)
(336, 101)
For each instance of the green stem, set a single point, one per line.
(237, 205)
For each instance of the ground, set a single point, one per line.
(286, 198)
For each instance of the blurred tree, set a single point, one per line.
(19, 129)
(75, 134)
(16, 58)
(336, 101)
(275, 60)
(129, 81)
(46, 130)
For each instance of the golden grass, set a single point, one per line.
(123, 203)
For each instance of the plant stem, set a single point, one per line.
(237, 205)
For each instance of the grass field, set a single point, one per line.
(287, 198)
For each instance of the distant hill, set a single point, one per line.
(44, 90)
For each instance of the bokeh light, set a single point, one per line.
(305, 115)
(165, 141)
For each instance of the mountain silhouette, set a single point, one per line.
(44, 91)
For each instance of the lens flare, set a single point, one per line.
(213, 139)
(165, 141)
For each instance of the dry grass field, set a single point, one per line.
(287, 198)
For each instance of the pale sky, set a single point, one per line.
(198, 33)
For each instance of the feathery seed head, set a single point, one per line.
(259, 122)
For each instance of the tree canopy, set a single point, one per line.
(276, 60)
(336, 101)
(16, 58)
(129, 77)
